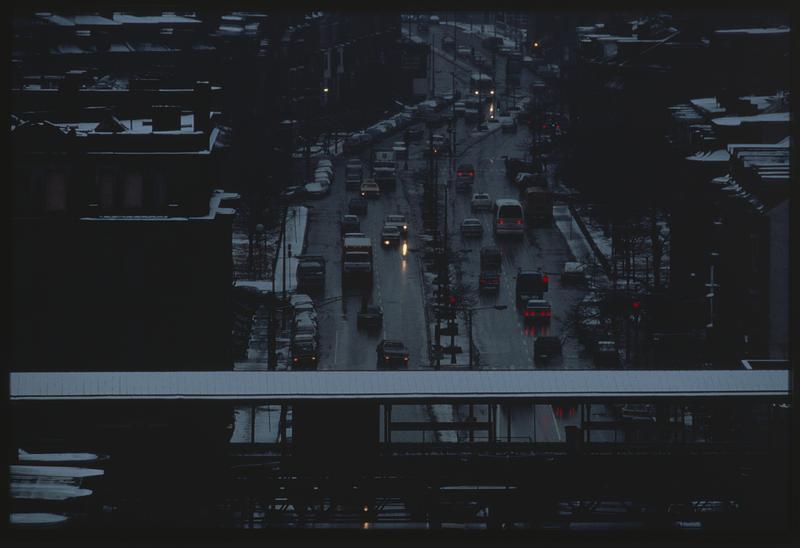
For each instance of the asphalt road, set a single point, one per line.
(503, 339)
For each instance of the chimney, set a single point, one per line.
(166, 118)
(202, 107)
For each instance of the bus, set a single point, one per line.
(481, 84)
(481, 87)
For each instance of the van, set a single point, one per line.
(509, 217)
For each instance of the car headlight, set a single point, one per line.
(405, 227)
(386, 242)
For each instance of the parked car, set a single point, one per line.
(390, 235)
(507, 124)
(489, 279)
(399, 221)
(357, 206)
(537, 310)
(573, 272)
(317, 189)
(370, 317)
(471, 227)
(370, 189)
(392, 353)
(481, 201)
(293, 193)
(350, 223)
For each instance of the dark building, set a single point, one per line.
(122, 242)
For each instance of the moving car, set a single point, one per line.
(357, 206)
(465, 170)
(546, 349)
(304, 326)
(390, 235)
(370, 317)
(525, 180)
(370, 189)
(489, 279)
(480, 201)
(304, 353)
(392, 353)
(350, 223)
(299, 299)
(537, 309)
(491, 258)
(399, 221)
(471, 227)
(509, 217)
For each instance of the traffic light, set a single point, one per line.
(636, 306)
(453, 300)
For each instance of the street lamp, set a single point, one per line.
(469, 312)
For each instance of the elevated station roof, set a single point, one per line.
(398, 386)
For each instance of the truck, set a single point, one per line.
(384, 169)
(531, 284)
(538, 203)
(310, 272)
(356, 257)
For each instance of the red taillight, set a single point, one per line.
(472, 174)
(501, 222)
(545, 279)
(459, 174)
(296, 360)
(519, 221)
(544, 126)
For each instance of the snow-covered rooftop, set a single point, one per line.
(737, 120)
(714, 156)
(708, 105)
(170, 19)
(770, 30)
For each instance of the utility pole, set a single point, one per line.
(469, 331)
(455, 39)
(285, 258)
(453, 127)
(433, 71)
